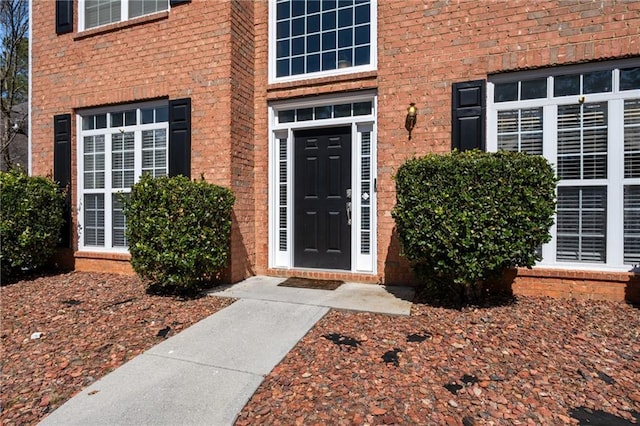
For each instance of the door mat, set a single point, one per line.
(311, 283)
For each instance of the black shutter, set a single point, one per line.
(180, 137)
(468, 115)
(64, 16)
(62, 169)
(177, 2)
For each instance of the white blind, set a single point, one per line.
(632, 224)
(154, 152)
(520, 130)
(144, 7)
(581, 224)
(632, 138)
(582, 141)
(101, 12)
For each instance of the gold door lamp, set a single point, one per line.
(410, 120)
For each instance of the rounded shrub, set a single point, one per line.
(178, 232)
(462, 218)
(31, 210)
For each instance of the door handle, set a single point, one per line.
(349, 213)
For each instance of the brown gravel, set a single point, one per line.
(537, 361)
(90, 324)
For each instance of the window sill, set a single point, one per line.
(102, 255)
(121, 25)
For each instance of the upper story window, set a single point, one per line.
(314, 38)
(95, 13)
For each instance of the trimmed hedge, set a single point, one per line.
(462, 218)
(178, 232)
(31, 216)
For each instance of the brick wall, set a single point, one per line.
(216, 52)
(423, 48)
(185, 52)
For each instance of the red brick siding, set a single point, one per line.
(183, 53)
(217, 54)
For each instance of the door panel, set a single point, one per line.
(322, 176)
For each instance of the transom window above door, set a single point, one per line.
(316, 37)
(95, 13)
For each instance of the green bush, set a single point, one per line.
(462, 218)
(178, 232)
(31, 210)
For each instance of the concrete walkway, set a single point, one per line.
(207, 373)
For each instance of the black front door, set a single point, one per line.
(322, 179)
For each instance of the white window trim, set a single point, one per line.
(373, 66)
(124, 11)
(108, 190)
(360, 263)
(615, 153)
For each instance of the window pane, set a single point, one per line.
(362, 34)
(94, 220)
(362, 108)
(362, 56)
(297, 7)
(305, 114)
(130, 118)
(632, 224)
(520, 130)
(362, 14)
(329, 61)
(283, 10)
(323, 112)
(564, 85)
(122, 160)
(343, 110)
(630, 79)
(162, 114)
(282, 68)
(582, 141)
(313, 6)
(297, 65)
(119, 226)
(345, 18)
(533, 89)
(146, 115)
(313, 24)
(313, 63)
(287, 116)
(506, 92)
(632, 138)
(144, 7)
(117, 119)
(581, 224)
(597, 82)
(329, 40)
(313, 43)
(101, 121)
(101, 12)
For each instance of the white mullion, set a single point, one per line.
(492, 120)
(80, 179)
(550, 152)
(137, 152)
(108, 189)
(356, 190)
(124, 10)
(615, 175)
